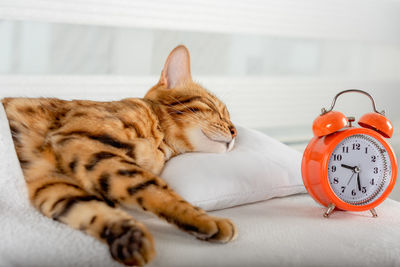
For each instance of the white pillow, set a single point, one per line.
(258, 168)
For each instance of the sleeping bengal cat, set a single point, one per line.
(82, 160)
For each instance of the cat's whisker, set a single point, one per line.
(174, 98)
(198, 121)
(205, 126)
(191, 114)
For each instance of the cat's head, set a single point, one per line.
(193, 118)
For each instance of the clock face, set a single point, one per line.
(359, 169)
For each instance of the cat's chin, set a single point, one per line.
(202, 143)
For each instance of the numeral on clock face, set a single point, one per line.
(356, 146)
(358, 168)
(337, 157)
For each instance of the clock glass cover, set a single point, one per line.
(359, 169)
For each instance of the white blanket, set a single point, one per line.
(285, 231)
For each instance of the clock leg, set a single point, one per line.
(374, 214)
(329, 210)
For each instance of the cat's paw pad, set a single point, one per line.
(223, 231)
(130, 243)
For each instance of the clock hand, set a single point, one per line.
(348, 167)
(358, 181)
(350, 178)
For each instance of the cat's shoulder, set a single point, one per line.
(30, 106)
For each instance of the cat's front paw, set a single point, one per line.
(130, 243)
(219, 230)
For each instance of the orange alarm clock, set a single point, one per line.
(347, 167)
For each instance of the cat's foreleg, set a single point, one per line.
(165, 203)
(126, 183)
(61, 199)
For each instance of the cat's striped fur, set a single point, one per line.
(84, 159)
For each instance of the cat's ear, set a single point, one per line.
(177, 68)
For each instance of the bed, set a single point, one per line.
(286, 231)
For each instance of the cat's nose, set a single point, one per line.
(233, 131)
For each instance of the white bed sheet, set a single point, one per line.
(279, 232)
(289, 231)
